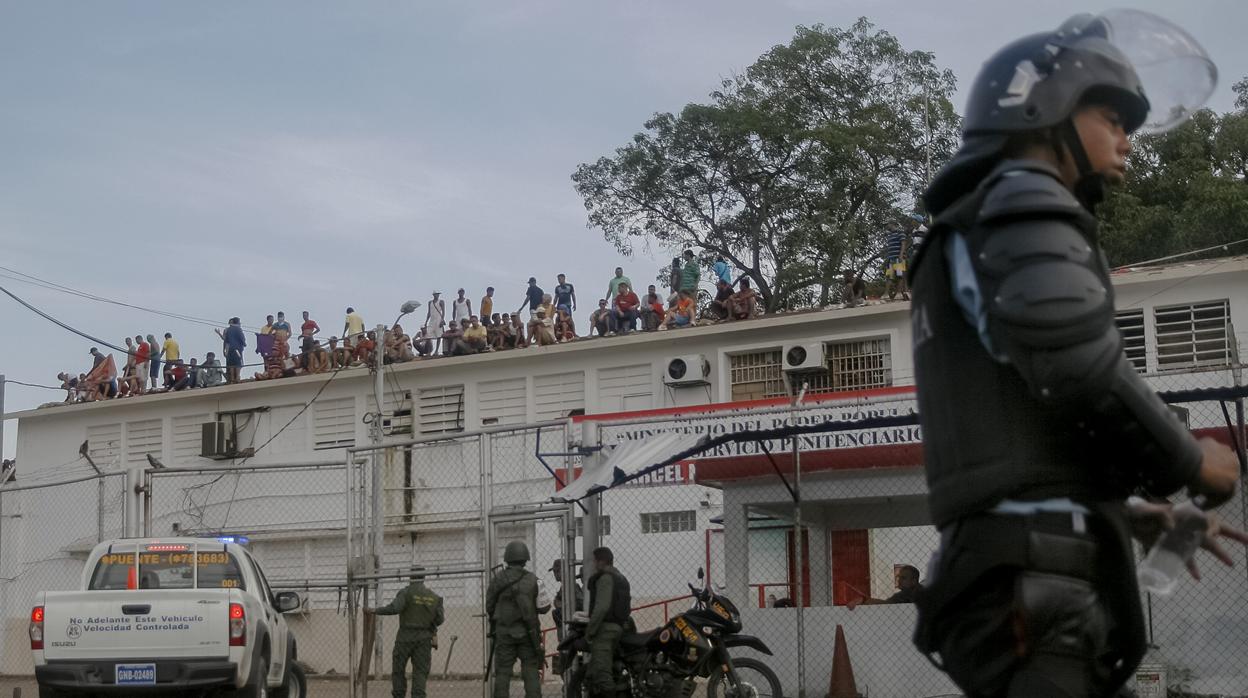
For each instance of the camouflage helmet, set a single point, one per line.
(516, 552)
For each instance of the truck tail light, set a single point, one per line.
(36, 628)
(238, 625)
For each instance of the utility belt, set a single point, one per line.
(1062, 543)
(1094, 547)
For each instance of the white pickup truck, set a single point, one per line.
(187, 616)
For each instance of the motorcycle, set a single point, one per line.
(666, 662)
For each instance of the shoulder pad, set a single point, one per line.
(1028, 192)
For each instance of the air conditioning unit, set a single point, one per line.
(805, 357)
(691, 369)
(217, 442)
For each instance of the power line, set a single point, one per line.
(297, 415)
(80, 333)
(61, 288)
(53, 320)
(1180, 255)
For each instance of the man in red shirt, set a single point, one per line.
(627, 309)
(309, 326)
(142, 355)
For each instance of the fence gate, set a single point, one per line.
(549, 532)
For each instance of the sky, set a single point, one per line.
(221, 159)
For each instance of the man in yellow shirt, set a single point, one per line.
(354, 325)
(475, 335)
(487, 306)
(173, 357)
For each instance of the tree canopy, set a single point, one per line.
(793, 170)
(1186, 189)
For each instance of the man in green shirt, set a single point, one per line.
(690, 274)
(610, 603)
(420, 613)
(511, 604)
(613, 286)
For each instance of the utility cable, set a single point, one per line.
(61, 288)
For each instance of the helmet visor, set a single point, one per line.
(1175, 71)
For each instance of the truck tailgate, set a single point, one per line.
(147, 623)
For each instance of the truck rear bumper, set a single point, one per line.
(96, 675)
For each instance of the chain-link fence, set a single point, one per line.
(448, 504)
(835, 604)
(293, 516)
(46, 532)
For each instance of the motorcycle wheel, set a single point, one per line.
(757, 680)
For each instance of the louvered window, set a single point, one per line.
(1131, 325)
(1193, 335)
(441, 409)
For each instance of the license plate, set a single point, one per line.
(135, 674)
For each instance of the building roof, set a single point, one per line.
(637, 340)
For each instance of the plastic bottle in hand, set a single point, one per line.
(1159, 573)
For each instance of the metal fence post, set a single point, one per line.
(590, 531)
(485, 463)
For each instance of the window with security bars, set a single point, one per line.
(604, 526)
(669, 521)
(756, 375)
(854, 365)
(441, 409)
(1193, 335)
(1131, 325)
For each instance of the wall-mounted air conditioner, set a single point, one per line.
(804, 357)
(217, 441)
(690, 369)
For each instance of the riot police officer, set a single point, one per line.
(610, 603)
(511, 604)
(420, 613)
(1035, 427)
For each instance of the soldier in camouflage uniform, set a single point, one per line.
(511, 603)
(420, 614)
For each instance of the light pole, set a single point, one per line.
(375, 433)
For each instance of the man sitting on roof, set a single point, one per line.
(517, 332)
(744, 303)
(540, 329)
(422, 343)
(494, 333)
(475, 336)
(398, 346)
(682, 314)
(366, 349)
(317, 359)
(720, 308)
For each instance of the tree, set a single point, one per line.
(794, 168)
(1186, 189)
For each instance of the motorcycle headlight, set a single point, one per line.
(708, 630)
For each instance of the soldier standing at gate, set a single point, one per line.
(511, 604)
(420, 614)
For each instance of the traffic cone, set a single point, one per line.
(842, 684)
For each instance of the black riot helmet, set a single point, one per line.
(1152, 72)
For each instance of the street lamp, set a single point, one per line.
(375, 432)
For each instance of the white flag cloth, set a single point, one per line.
(629, 460)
